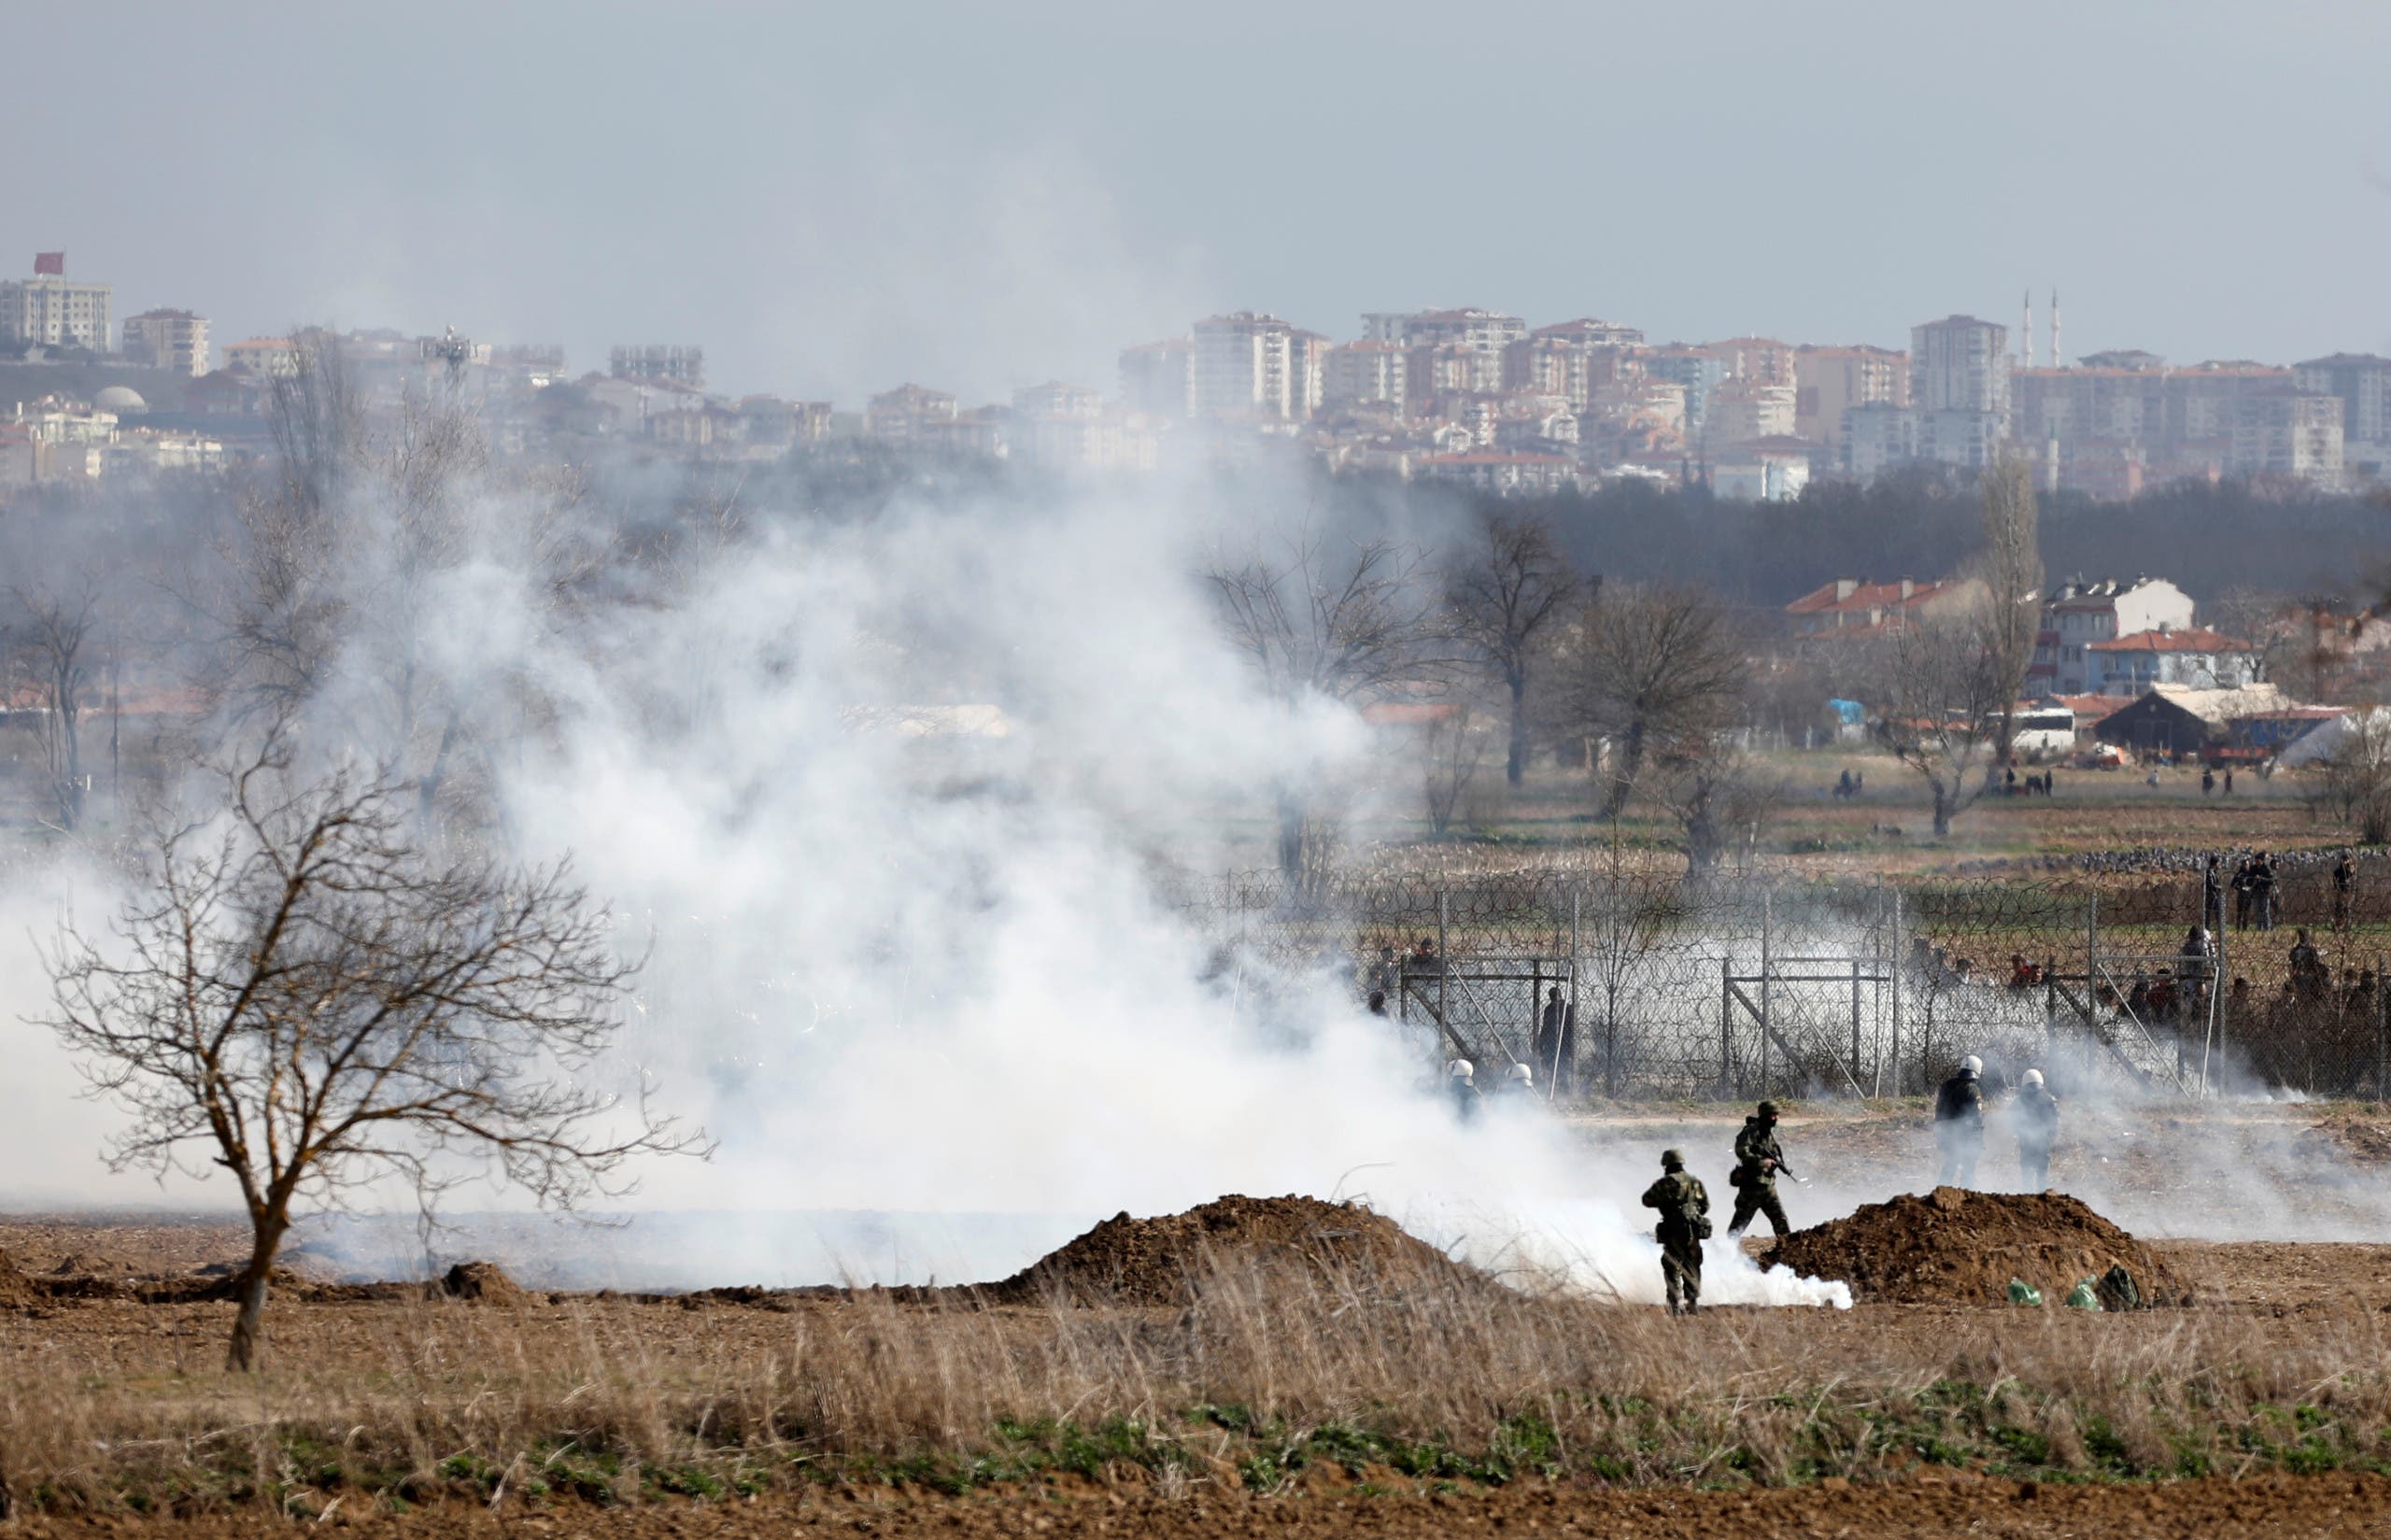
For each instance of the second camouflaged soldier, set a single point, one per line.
(1685, 1224)
(1758, 1161)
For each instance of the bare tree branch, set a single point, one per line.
(304, 999)
(1514, 583)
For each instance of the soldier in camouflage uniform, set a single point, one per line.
(1685, 1224)
(1757, 1160)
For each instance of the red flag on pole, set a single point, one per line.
(49, 261)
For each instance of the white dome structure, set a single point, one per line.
(120, 399)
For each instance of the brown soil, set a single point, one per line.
(1935, 1505)
(1159, 1262)
(17, 1289)
(1961, 1247)
(482, 1282)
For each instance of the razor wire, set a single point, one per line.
(1784, 982)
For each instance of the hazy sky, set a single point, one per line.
(833, 200)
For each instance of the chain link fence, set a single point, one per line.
(1629, 982)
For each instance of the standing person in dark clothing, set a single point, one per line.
(2228, 783)
(1758, 1161)
(2244, 886)
(2036, 1114)
(2262, 890)
(2345, 881)
(2207, 781)
(1685, 1224)
(1959, 1124)
(1556, 1042)
(2212, 895)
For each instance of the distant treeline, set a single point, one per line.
(1923, 523)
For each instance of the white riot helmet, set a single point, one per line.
(2031, 1077)
(1971, 1065)
(1460, 1070)
(1519, 1074)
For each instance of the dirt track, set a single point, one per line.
(2273, 1508)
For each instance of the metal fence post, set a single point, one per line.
(1900, 961)
(1444, 973)
(1767, 937)
(1610, 1049)
(1726, 1022)
(1855, 1024)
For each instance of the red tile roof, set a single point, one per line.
(1867, 596)
(2195, 640)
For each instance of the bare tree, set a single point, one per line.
(300, 995)
(1717, 795)
(1352, 624)
(55, 657)
(1654, 669)
(2354, 781)
(2011, 568)
(1514, 581)
(339, 584)
(1938, 692)
(1451, 745)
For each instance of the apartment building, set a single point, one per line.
(1156, 377)
(1744, 411)
(2361, 382)
(168, 339)
(1250, 365)
(2079, 614)
(674, 363)
(1960, 364)
(909, 417)
(1484, 330)
(1829, 381)
(48, 309)
(1365, 373)
(1761, 361)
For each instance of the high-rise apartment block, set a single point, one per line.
(1829, 381)
(1960, 364)
(1156, 377)
(2362, 384)
(669, 363)
(909, 416)
(1246, 365)
(1365, 373)
(50, 310)
(167, 339)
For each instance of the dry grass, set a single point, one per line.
(103, 1404)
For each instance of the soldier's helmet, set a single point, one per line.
(1461, 1069)
(1767, 1110)
(1672, 1161)
(2031, 1077)
(1972, 1066)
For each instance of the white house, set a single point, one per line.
(2077, 614)
(2199, 659)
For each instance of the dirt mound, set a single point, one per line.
(1962, 1247)
(18, 1288)
(1163, 1261)
(2355, 1141)
(484, 1282)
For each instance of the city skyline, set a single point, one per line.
(831, 203)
